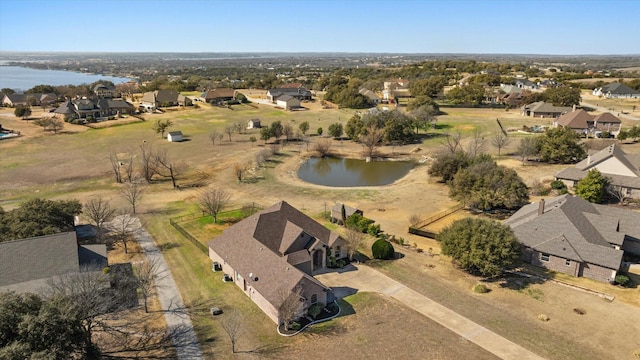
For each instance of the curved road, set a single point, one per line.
(178, 321)
(364, 278)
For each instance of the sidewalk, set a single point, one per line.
(175, 313)
(364, 278)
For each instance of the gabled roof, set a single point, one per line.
(606, 118)
(618, 89)
(269, 245)
(630, 165)
(16, 98)
(348, 210)
(368, 93)
(578, 119)
(542, 106)
(284, 98)
(575, 229)
(301, 91)
(219, 93)
(66, 108)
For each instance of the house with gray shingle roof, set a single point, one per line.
(571, 235)
(542, 109)
(26, 265)
(300, 93)
(622, 169)
(275, 251)
(617, 90)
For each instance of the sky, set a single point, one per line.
(555, 27)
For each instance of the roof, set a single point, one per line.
(175, 133)
(284, 98)
(301, 91)
(619, 89)
(368, 93)
(578, 119)
(28, 261)
(269, 245)
(219, 93)
(606, 118)
(627, 167)
(65, 108)
(348, 210)
(573, 228)
(544, 107)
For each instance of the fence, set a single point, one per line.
(418, 228)
(189, 237)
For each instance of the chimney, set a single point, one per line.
(574, 107)
(588, 159)
(541, 207)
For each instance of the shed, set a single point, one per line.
(254, 124)
(336, 211)
(174, 136)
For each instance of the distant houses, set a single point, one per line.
(153, 100)
(617, 91)
(35, 99)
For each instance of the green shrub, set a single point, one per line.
(480, 288)
(382, 249)
(319, 131)
(341, 263)
(294, 326)
(359, 222)
(558, 184)
(315, 310)
(622, 280)
(373, 229)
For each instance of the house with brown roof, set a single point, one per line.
(571, 235)
(273, 252)
(26, 265)
(542, 109)
(586, 124)
(219, 95)
(622, 169)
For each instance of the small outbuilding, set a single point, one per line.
(253, 124)
(336, 212)
(174, 136)
(287, 102)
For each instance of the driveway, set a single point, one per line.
(364, 278)
(178, 321)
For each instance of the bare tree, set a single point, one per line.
(165, 168)
(127, 163)
(239, 170)
(275, 148)
(287, 131)
(233, 324)
(476, 145)
(291, 305)
(323, 147)
(452, 142)
(214, 135)
(500, 141)
(239, 126)
(213, 201)
(371, 139)
(527, 148)
(132, 192)
(99, 212)
(56, 125)
(121, 229)
(415, 220)
(229, 130)
(354, 239)
(147, 274)
(617, 192)
(115, 165)
(147, 161)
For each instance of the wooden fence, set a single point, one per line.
(202, 247)
(418, 228)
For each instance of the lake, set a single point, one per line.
(21, 79)
(351, 172)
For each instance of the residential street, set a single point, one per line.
(175, 313)
(352, 279)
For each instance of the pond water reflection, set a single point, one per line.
(351, 172)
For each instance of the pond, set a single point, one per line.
(351, 172)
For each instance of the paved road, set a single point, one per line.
(364, 278)
(175, 313)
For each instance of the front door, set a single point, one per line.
(317, 259)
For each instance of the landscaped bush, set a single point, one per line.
(373, 229)
(557, 185)
(341, 264)
(480, 289)
(315, 310)
(382, 249)
(359, 222)
(622, 280)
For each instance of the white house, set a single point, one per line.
(174, 136)
(616, 90)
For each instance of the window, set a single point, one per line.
(567, 262)
(337, 251)
(544, 257)
(314, 298)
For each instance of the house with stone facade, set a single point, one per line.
(273, 252)
(623, 170)
(570, 235)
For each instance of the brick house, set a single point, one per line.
(584, 123)
(275, 251)
(571, 235)
(542, 109)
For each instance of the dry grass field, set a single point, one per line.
(73, 164)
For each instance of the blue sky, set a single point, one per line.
(404, 26)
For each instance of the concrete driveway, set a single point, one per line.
(353, 278)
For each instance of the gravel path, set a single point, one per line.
(175, 313)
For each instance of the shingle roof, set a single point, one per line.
(618, 89)
(219, 93)
(542, 106)
(269, 245)
(578, 119)
(572, 228)
(284, 98)
(606, 118)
